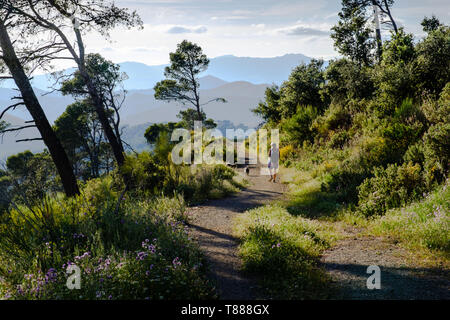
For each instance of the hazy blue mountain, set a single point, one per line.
(54, 104)
(210, 82)
(227, 68)
(134, 136)
(141, 76)
(140, 105)
(255, 70)
(241, 98)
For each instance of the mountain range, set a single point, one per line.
(241, 81)
(228, 68)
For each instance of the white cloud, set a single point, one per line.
(306, 30)
(258, 28)
(181, 29)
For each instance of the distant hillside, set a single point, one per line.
(54, 104)
(134, 136)
(228, 68)
(241, 98)
(8, 145)
(141, 108)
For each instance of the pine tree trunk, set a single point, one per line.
(49, 137)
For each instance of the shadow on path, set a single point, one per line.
(396, 283)
(347, 265)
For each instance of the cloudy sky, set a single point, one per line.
(256, 28)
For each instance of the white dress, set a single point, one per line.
(274, 158)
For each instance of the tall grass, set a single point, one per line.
(138, 248)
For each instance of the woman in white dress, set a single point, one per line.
(274, 157)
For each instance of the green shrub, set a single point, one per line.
(339, 139)
(395, 77)
(32, 176)
(298, 128)
(344, 180)
(286, 153)
(145, 173)
(302, 88)
(438, 111)
(335, 118)
(437, 152)
(390, 140)
(433, 61)
(398, 137)
(149, 175)
(223, 173)
(415, 154)
(390, 188)
(5, 196)
(347, 80)
(375, 151)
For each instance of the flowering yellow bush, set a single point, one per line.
(286, 152)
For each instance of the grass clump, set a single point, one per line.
(283, 251)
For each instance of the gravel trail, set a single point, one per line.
(211, 225)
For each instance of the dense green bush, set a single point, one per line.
(389, 188)
(4, 191)
(298, 127)
(269, 110)
(438, 111)
(345, 179)
(415, 154)
(433, 61)
(339, 139)
(437, 152)
(145, 172)
(335, 118)
(302, 88)
(347, 80)
(32, 176)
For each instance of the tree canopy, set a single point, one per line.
(82, 136)
(182, 83)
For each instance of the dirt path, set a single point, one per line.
(347, 264)
(211, 224)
